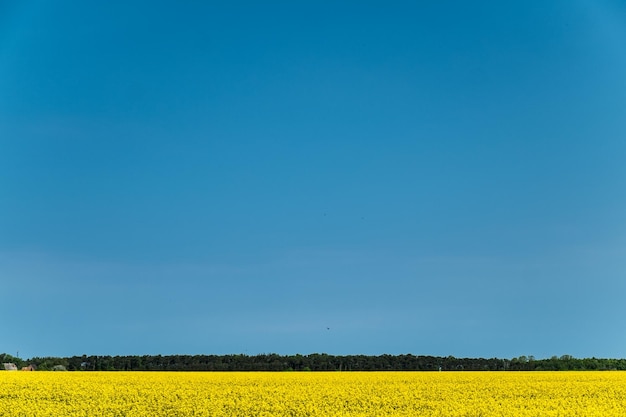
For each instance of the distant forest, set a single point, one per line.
(312, 362)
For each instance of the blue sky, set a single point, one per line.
(438, 178)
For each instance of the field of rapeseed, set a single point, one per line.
(313, 394)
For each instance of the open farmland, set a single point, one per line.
(313, 394)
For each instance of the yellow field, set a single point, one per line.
(313, 394)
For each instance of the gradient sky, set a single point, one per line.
(436, 178)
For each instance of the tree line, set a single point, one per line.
(312, 362)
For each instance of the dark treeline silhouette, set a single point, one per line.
(314, 362)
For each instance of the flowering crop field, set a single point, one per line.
(469, 394)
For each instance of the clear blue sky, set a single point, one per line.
(437, 178)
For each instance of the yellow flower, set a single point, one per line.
(465, 394)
